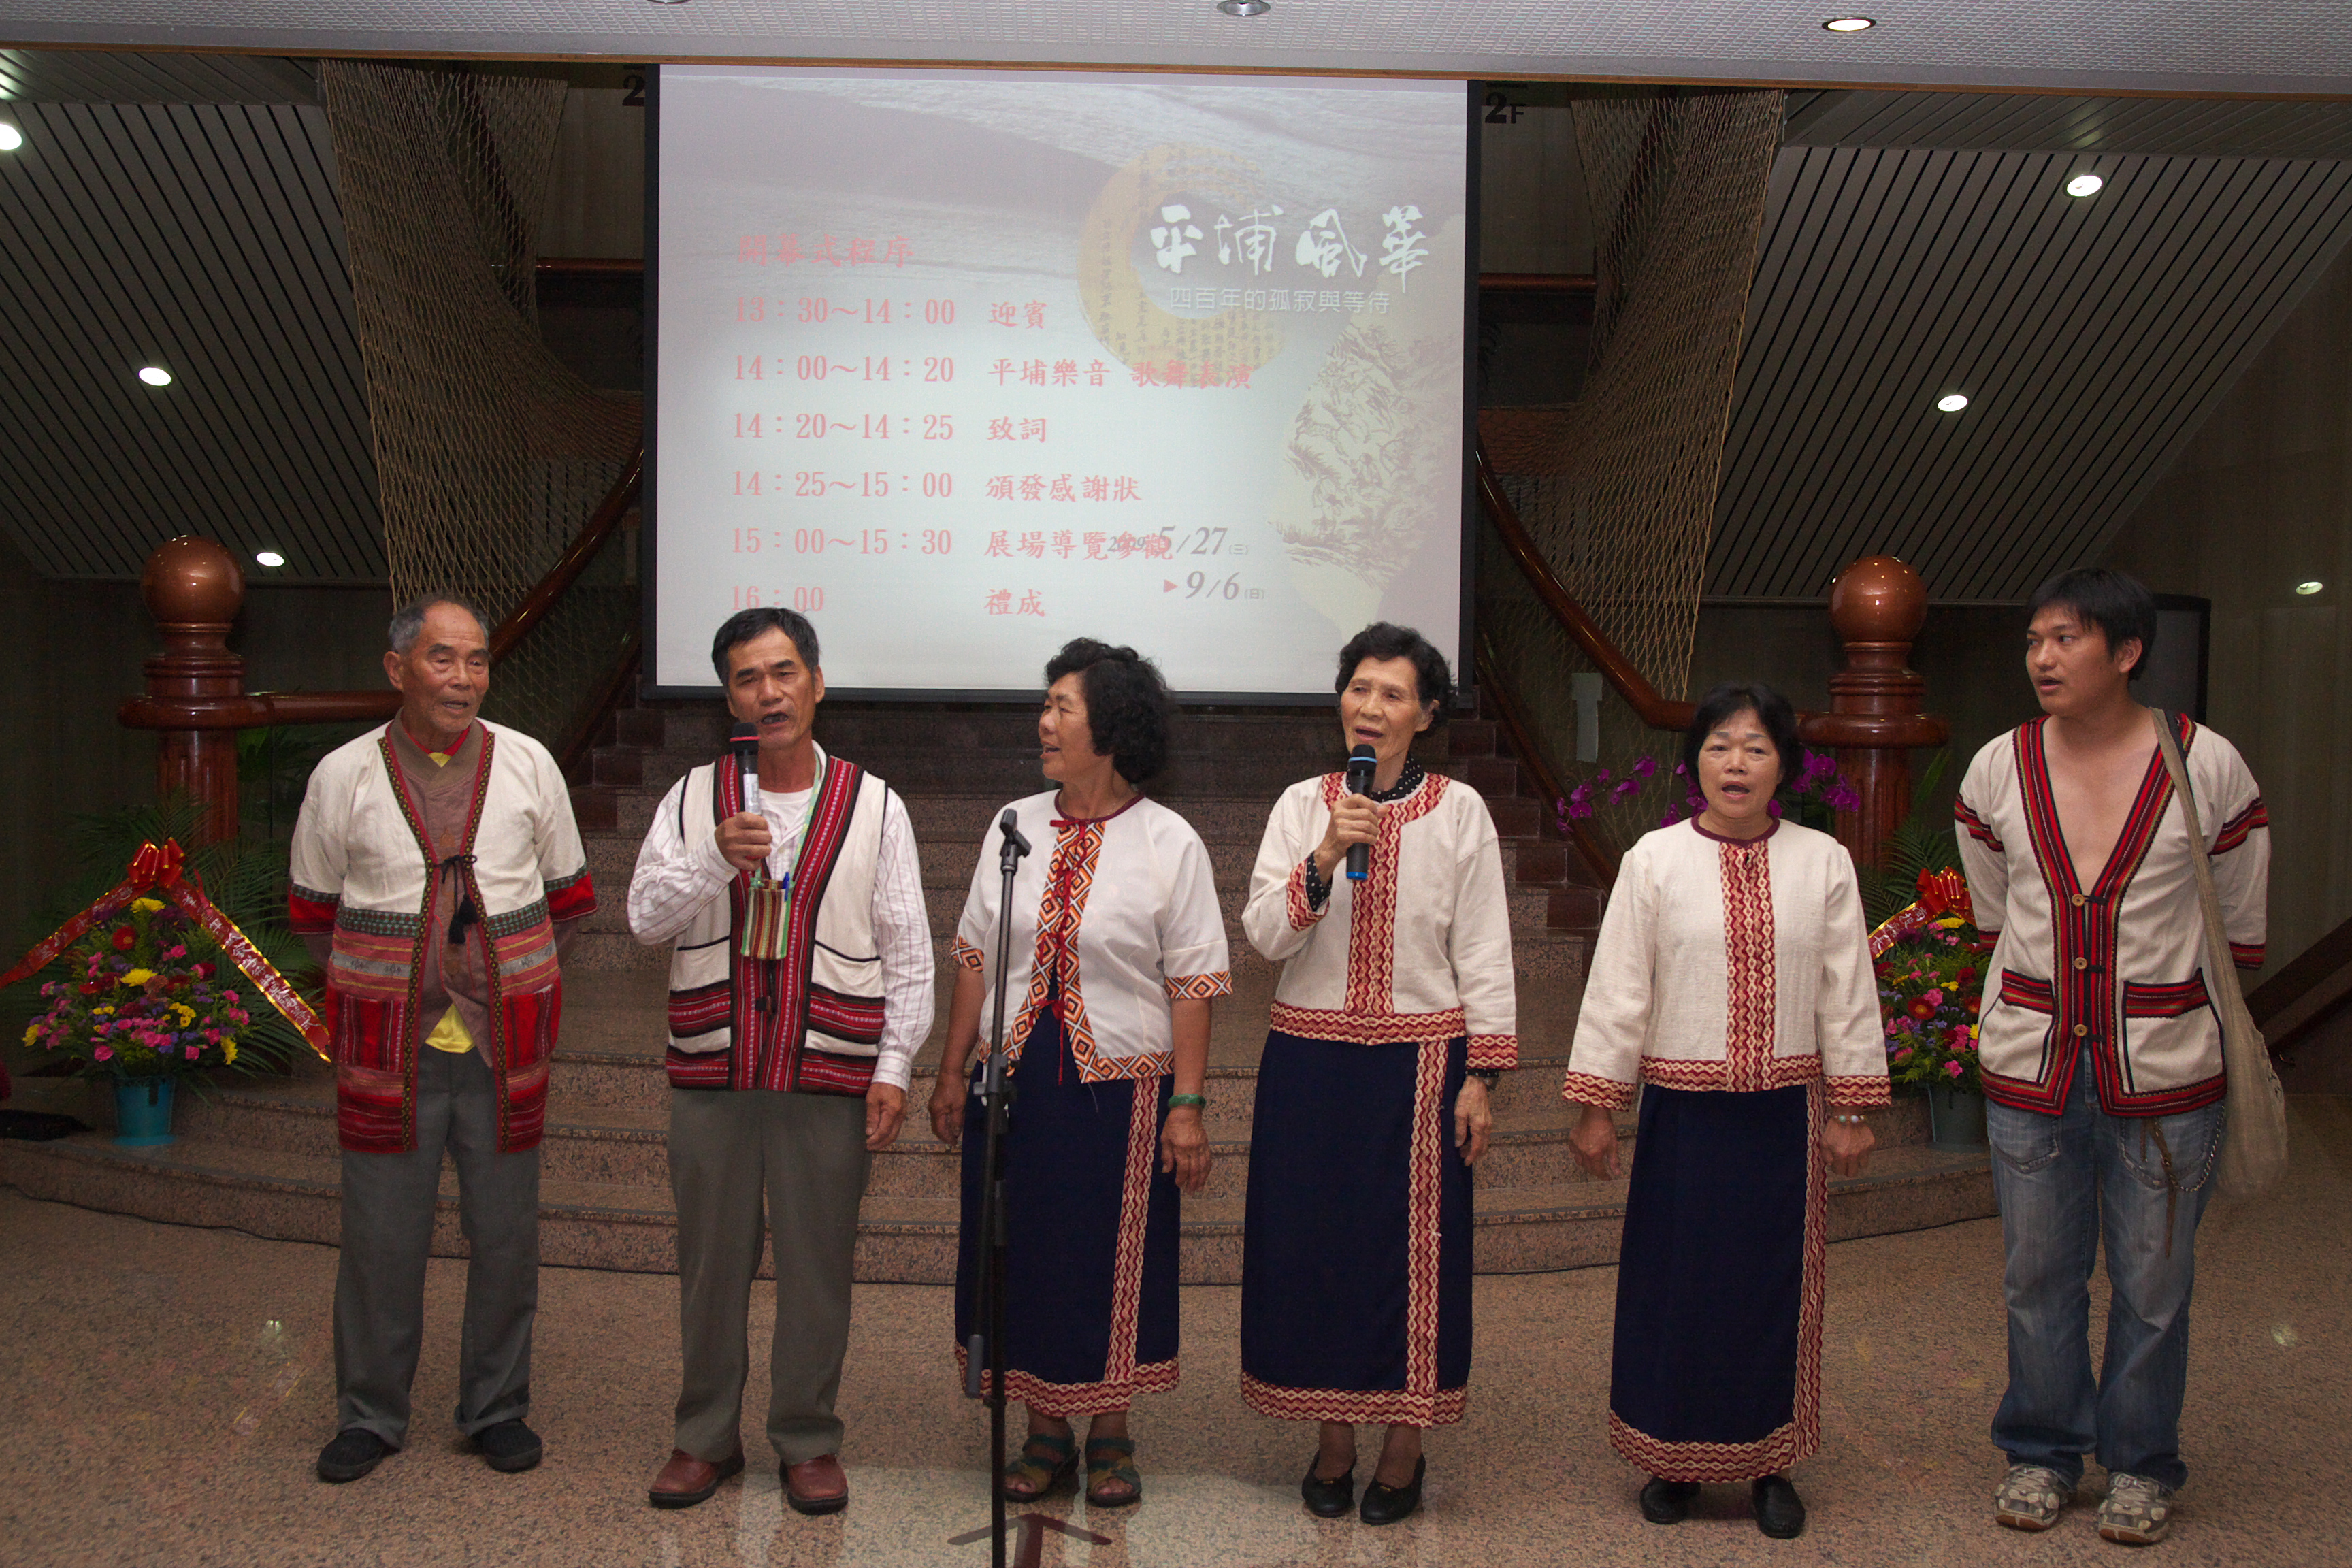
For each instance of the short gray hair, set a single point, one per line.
(409, 619)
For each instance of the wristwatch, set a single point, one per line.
(1490, 1077)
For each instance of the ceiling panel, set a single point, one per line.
(2053, 122)
(204, 238)
(2284, 46)
(2090, 336)
(69, 76)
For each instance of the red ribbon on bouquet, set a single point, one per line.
(162, 869)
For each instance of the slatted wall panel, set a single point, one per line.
(2091, 337)
(76, 76)
(206, 238)
(2035, 123)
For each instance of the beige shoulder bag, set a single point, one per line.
(2253, 1139)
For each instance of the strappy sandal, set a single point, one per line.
(1044, 1460)
(1109, 1460)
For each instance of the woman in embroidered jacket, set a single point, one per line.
(1117, 948)
(1394, 1013)
(1732, 978)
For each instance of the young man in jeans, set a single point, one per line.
(2100, 1053)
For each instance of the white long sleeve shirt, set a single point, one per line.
(673, 883)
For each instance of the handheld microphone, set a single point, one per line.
(745, 744)
(1360, 762)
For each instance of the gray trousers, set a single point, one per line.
(806, 1154)
(388, 1204)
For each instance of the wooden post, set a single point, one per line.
(193, 589)
(1877, 606)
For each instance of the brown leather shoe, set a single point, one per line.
(687, 1480)
(816, 1486)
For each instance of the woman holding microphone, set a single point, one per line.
(1393, 1018)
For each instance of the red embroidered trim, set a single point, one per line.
(1372, 918)
(1776, 1451)
(1200, 987)
(1379, 1406)
(1494, 1053)
(1065, 1399)
(1353, 1028)
(309, 913)
(1584, 1089)
(1775, 1072)
(969, 956)
(1423, 1202)
(1976, 826)
(1302, 913)
(571, 897)
(2248, 954)
(2236, 831)
(1134, 1214)
(1069, 878)
(1860, 1091)
(1747, 941)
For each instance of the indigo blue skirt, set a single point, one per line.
(1091, 1245)
(1356, 1247)
(1715, 1374)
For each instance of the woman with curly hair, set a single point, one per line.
(1118, 946)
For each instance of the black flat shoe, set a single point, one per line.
(1386, 1504)
(1333, 1498)
(1779, 1511)
(353, 1454)
(508, 1447)
(1667, 1502)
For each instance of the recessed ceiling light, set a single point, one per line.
(1849, 23)
(2309, 587)
(10, 137)
(1952, 401)
(155, 375)
(269, 558)
(1245, 7)
(668, 1)
(2084, 185)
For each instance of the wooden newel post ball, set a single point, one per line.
(1877, 606)
(193, 589)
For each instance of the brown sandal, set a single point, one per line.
(1109, 1460)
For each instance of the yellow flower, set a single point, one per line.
(187, 1014)
(138, 976)
(146, 906)
(32, 1033)
(100, 1011)
(228, 1052)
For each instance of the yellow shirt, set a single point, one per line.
(449, 1035)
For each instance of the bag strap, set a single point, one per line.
(2217, 941)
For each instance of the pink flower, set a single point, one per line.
(1644, 767)
(177, 951)
(1953, 1069)
(194, 1051)
(103, 1053)
(1934, 994)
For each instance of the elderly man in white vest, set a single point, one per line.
(800, 990)
(436, 875)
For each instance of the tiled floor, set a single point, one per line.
(164, 1392)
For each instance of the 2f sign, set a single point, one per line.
(1501, 110)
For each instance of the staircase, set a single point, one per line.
(260, 1155)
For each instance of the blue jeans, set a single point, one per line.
(2063, 1182)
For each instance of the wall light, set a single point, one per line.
(1849, 23)
(10, 137)
(155, 375)
(1951, 403)
(269, 558)
(2309, 588)
(2084, 185)
(1245, 7)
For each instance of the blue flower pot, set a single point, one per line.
(143, 1112)
(1957, 1118)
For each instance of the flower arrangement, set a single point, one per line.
(135, 1005)
(1812, 798)
(1930, 963)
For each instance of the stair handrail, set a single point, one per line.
(196, 688)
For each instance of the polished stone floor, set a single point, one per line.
(164, 1391)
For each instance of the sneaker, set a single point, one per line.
(353, 1454)
(507, 1447)
(2136, 1512)
(2031, 1497)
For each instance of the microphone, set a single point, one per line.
(1360, 782)
(745, 744)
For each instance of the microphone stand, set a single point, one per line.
(986, 1346)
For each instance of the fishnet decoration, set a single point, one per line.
(1617, 489)
(491, 454)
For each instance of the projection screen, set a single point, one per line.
(964, 364)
